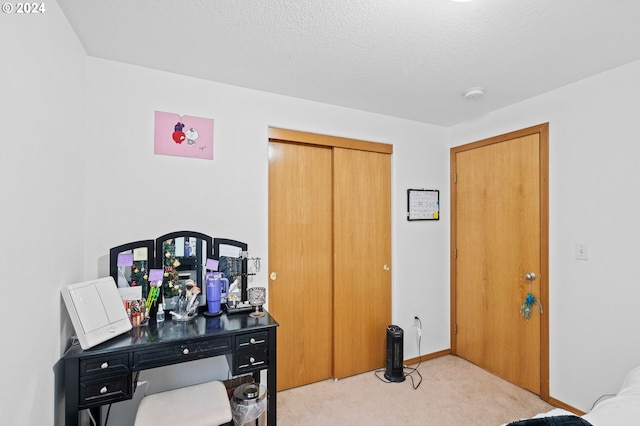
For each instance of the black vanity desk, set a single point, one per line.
(107, 373)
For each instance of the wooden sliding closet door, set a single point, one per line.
(300, 254)
(362, 259)
(329, 254)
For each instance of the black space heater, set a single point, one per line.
(394, 372)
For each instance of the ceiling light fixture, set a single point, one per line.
(473, 93)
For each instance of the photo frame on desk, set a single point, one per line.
(423, 204)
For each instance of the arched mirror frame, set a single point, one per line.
(200, 258)
(155, 256)
(147, 263)
(243, 247)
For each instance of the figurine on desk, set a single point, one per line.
(187, 303)
(234, 298)
(234, 303)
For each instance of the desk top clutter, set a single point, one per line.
(188, 272)
(170, 331)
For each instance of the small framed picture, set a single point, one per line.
(423, 204)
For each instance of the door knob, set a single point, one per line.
(386, 267)
(273, 276)
(530, 276)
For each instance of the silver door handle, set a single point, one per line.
(530, 276)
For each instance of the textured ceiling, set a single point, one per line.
(404, 58)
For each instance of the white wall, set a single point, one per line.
(41, 169)
(133, 194)
(594, 181)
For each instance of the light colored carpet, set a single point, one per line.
(453, 392)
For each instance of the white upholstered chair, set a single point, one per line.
(206, 404)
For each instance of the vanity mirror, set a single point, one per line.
(183, 256)
(232, 261)
(129, 264)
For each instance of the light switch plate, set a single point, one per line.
(582, 251)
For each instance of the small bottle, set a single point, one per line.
(143, 309)
(160, 314)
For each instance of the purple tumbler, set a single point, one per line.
(215, 282)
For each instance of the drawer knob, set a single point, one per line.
(252, 341)
(185, 351)
(252, 360)
(103, 390)
(104, 365)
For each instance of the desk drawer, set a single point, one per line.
(252, 339)
(174, 354)
(103, 365)
(109, 389)
(254, 358)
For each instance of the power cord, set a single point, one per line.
(93, 420)
(414, 370)
(106, 420)
(409, 372)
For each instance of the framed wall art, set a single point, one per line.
(183, 135)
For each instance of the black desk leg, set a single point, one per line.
(271, 379)
(72, 396)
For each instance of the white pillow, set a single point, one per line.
(632, 380)
(622, 409)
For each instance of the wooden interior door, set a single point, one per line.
(362, 259)
(300, 261)
(499, 234)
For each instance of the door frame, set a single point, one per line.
(543, 131)
(277, 134)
